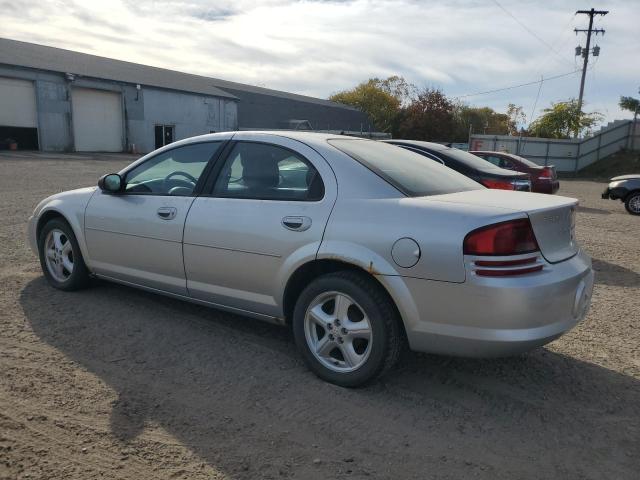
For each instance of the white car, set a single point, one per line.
(363, 247)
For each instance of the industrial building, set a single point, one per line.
(53, 99)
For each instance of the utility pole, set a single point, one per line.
(585, 52)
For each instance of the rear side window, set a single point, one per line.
(411, 173)
(268, 172)
(497, 161)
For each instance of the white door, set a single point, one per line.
(97, 120)
(17, 103)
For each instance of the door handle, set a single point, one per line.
(296, 223)
(167, 213)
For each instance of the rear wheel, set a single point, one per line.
(632, 203)
(60, 256)
(347, 329)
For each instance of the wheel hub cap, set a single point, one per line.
(338, 332)
(58, 255)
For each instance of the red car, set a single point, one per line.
(543, 179)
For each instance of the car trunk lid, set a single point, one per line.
(552, 217)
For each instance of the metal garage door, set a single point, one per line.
(17, 103)
(97, 120)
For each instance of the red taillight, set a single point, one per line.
(513, 237)
(547, 172)
(498, 184)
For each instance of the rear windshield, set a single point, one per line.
(411, 173)
(526, 161)
(468, 159)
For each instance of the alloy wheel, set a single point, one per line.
(58, 255)
(338, 332)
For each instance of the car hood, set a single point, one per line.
(626, 177)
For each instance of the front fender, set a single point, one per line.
(71, 206)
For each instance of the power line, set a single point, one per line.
(518, 86)
(531, 32)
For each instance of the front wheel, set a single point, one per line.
(632, 203)
(60, 256)
(347, 328)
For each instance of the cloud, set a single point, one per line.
(320, 47)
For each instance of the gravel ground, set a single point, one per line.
(112, 382)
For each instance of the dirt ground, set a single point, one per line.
(112, 382)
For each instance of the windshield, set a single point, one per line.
(411, 173)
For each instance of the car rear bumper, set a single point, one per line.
(551, 186)
(499, 316)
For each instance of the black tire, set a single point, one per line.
(627, 202)
(388, 340)
(79, 277)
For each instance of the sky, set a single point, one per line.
(320, 47)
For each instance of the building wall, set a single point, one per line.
(191, 114)
(260, 111)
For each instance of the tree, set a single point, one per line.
(430, 116)
(482, 119)
(631, 104)
(516, 117)
(380, 99)
(397, 86)
(562, 120)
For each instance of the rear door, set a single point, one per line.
(136, 235)
(264, 211)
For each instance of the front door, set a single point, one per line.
(136, 235)
(267, 209)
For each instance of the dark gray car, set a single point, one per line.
(625, 188)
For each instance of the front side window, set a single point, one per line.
(174, 172)
(411, 173)
(268, 172)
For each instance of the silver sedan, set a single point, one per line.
(362, 247)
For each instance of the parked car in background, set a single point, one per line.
(362, 247)
(543, 179)
(469, 165)
(627, 189)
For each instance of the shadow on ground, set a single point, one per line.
(608, 273)
(598, 211)
(234, 391)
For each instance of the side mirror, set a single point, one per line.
(111, 183)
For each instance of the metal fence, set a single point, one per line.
(567, 155)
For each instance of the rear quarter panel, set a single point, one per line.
(363, 232)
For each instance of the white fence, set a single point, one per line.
(567, 155)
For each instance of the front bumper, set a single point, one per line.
(499, 316)
(616, 193)
(32, 241)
